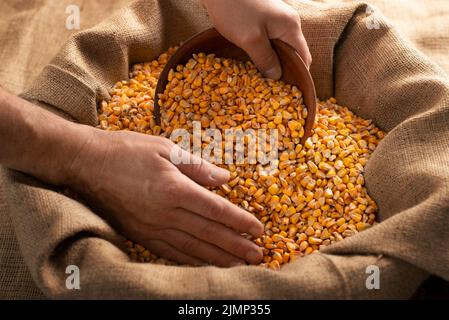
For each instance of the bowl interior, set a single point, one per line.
(294, 70)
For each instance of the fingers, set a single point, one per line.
(199, 249)
(169, 252)
(263, 55)
(183, 192)
(298, 41)
(259, 49)
(198, 169)
(218, 235)
(213, 207)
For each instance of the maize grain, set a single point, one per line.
(314, 198)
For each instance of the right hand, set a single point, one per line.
(250, 24)
(162, 206)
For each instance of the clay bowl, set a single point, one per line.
(294, 71)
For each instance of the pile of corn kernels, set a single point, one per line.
(315, 196)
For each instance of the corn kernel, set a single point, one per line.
(316, 195)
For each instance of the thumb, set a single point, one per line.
(198, 169)
(264, 57)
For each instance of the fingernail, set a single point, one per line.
(274, 73)
(254, 256)
(220, 174)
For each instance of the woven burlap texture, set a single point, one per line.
(371, 70)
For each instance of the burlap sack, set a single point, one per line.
(371, 70)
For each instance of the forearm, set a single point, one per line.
(36, 141)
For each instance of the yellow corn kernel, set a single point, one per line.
(362, 226)
(312, 166)
(314, 240)
(273, 189)
(316, 194)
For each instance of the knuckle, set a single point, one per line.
(215, 209)
(266, 59)
(292, 20)
(293, 16)
(271, 59)
(208, 231)
(239, 247)
(164, 144)
(199, 167)
(252, 38)
(189, 245)
(241, 218)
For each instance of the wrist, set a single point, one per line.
(38, 142)
(72, 164)
(55, 149)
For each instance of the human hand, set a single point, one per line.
(163, 206)
(250, 24)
